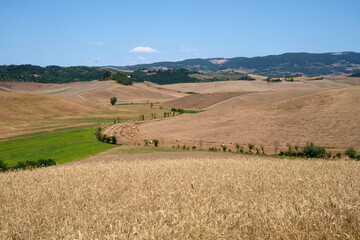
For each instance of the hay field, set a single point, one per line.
(175, 196)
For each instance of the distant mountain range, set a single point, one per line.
(308, 64)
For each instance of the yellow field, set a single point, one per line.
(182, 196)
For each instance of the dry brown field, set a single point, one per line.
(200, 101)
(23, 113)
(328, 117)
(94, 91)
(182, 196)
(247, 86)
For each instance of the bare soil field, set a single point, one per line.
(136, 93)
(247, 86)
(95, 91)
(199, 101)
(181, 196)
(327, 118)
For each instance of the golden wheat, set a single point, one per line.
(239, 197)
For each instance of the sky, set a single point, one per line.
(110, 32)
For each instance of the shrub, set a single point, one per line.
(262, 149)
(156, 142)
(251, 147)
(241, 149)
(357, 157)
(108, 140)
(313, 151)
(338, 155)
(3, 166)
(213, 149)
(113, 140)
(224, 148)
(98, 134)
(46, 162)
(237, 146)
(21, 165)
(351, 152)
(32, 164)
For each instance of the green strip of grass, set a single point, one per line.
(193, 111)
(62, 147)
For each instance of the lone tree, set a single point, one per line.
(113, 100)
(156, 142)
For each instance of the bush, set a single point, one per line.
(313, 151)
(3, 166)
(262, 149)
(241, 149)
(46, 162)
(108, 140)
(98, 134)
(338, 155)
(113, 140)
(357, 157)
(351, 152)
(156, 142)
(224, 148)
(251, 147)
(21, 165)
(237, 146)
(212, 149)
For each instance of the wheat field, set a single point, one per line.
(209, 197)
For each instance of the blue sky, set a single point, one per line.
(99, 33)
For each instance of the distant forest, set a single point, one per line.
(50, 74)
(307, 64)
(168, 76)
(355, 75)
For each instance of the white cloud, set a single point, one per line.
(184, 49)
(141, 58)
(95, 43)
(144, 50)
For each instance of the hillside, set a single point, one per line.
(327, 118)
(29, 113)
(50, 74)
(308, 64)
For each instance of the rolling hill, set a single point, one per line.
(327, 118)
(308, 64)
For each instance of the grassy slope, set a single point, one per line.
(62, 147)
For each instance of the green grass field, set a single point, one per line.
(62, 147)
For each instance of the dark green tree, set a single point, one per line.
(113, 100)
